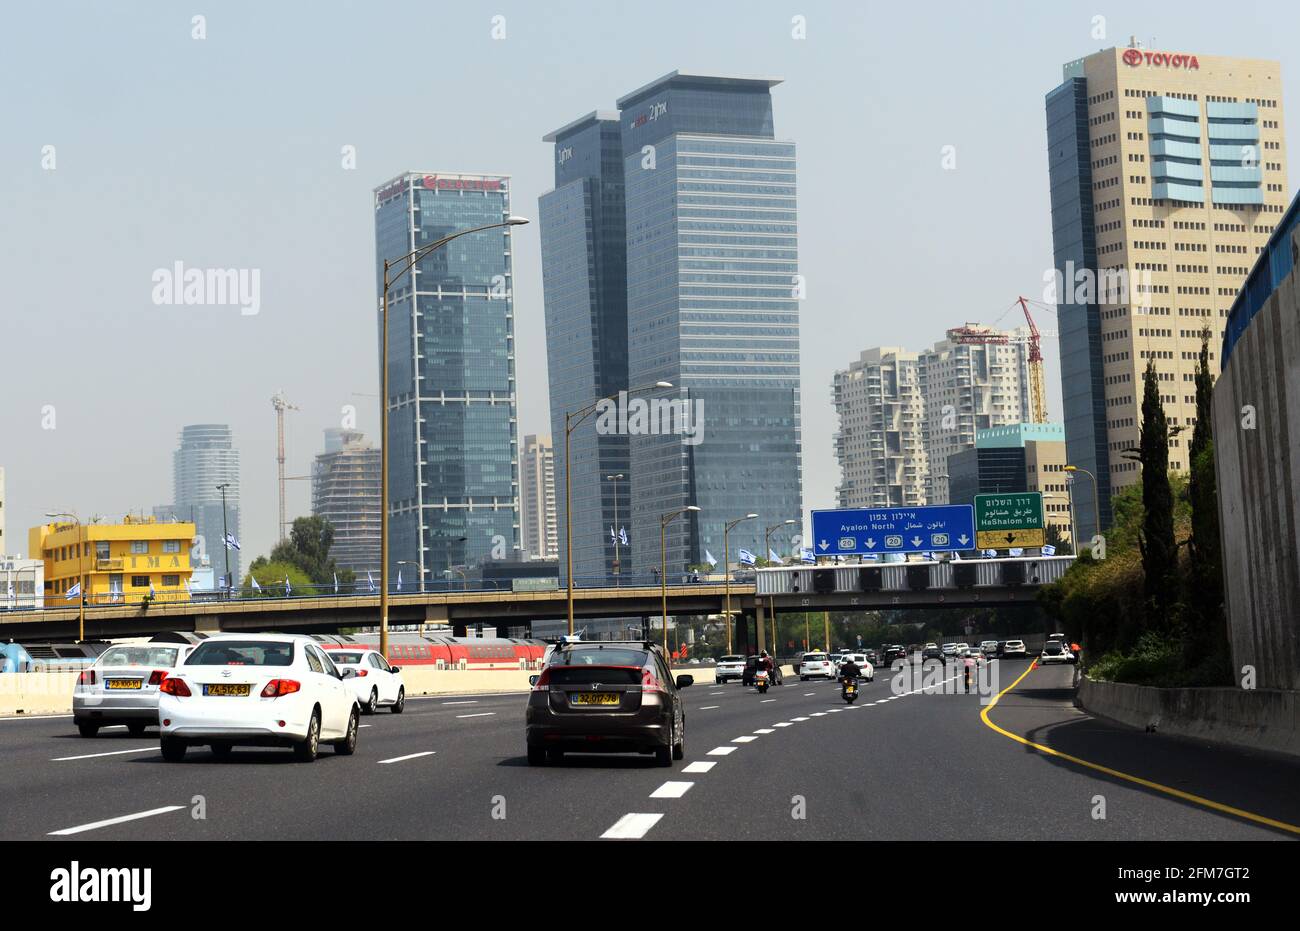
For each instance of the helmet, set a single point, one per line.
(762, 652)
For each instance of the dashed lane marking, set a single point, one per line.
(722, 751)
(477, 714)
(743, 740)
(765, 730)
(91, 756)
(699, 766)
(95, 825)
(672, 790)
(709, 707)
(409, 756)
(632, 826)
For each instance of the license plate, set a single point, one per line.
(122, 683)
(239, 691)
(596, 698)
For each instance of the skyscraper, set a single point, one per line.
(453, 461)
(537, 517)
(205, 459)
(880, 445)
(584, 277)
(712, 308)
(1167, 173)
(345, 491)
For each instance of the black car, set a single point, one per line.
(751, 667)
(606, 697)
(892, 652)
(932, 653)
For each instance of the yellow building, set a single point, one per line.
(120, 562)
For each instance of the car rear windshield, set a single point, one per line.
(732, 659)
(815, 658)
(138, 656)
(344, 659)
(1053, 647)
(590, 675)
(600, 656)
(242, 653)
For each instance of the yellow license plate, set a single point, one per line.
(239, 691)
(122, 683)
(596, 698)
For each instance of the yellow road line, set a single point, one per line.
(1147, 783)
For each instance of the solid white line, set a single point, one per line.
(783, 724)
(632, 826)
(723, 692)
(721, 751)
(478, 714)
(743, 740)
(409, 756)
(709, 707)
(103, 824)
(468, 701)
(765, 730)
(672, 790)
(91, 756)
(32, 717)
(698, 767)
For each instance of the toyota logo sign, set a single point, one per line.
(1132, 57)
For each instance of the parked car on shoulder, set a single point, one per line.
(1054, 651)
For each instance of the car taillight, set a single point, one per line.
(361, 673)
(156, 677)
(277, 687)
(175, 687)
(543, 681)
(87, 677)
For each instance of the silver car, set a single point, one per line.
(122, 686)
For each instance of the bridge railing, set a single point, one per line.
(912, 576)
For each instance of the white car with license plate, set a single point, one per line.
(122, 687)
(729, 667)
(375, 683)
(816, 664)
(257, 690)
(868, 671)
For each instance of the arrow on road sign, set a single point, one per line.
(963, 539)
(871, 544)
(916, 541)
(823, 544)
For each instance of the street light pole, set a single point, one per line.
(394, 269)
(664, 521)
(225, 537)
(615, 479)
(771, 600)
(726, 567)
(1096, 501)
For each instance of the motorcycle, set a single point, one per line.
(760, 681)
(849, 690)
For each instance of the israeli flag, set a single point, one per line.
(256, 587)
(73, 592)
(336, 583)
(708, 558)
(114, 590)
(1048, 549)
(622, 535)
(1018, 551)
(612, 537)
(806, 555)
(990, 554)
(152, 593)
(771, 555)
(873, 557)
(231, 542)
(399, 580)
(12, 596)
(288, 589)
(370, 579)
(745, 557)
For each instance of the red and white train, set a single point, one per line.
(413, 649)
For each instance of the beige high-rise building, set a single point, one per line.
(537, 515)
(879, 446)
(1167, 175)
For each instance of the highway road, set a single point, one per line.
(796, 763)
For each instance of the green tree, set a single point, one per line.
(1053, 536)
(270, 575)
(1156, 542)
(308, 547)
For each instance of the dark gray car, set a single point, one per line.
(606, 697)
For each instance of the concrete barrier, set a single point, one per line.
(1259, 719)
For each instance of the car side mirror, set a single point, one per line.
(683, 681)
(532, 680)
(394, 668)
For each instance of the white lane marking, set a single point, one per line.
(698, 767)
(743, 740)
(365, 725)
(91, 756)
(765, 730)
(409, 756)
(672, 789)
(32, 717)
(632, 826)
(721, 751)
(818, 714)
(806, 694)
(468, 701)
(766, 700)
(477, 714)
(709, 707)
(833, 710)
(723, 692)
(798, 719)
(109, 821)
(783, 724)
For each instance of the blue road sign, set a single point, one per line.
(861, 531)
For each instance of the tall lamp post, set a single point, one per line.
(726, 567)
(664, 521)
(1096, 503)
(225, 538)
(1069, 498)
(767, 545)
(81, 577)
(394, 269)
(614, 480)
(571, 422)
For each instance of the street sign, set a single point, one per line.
(863, 531)
(1011, 520)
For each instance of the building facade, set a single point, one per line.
(120, 563)
(453, 465)
(880, 445)
(1167, 174)
(975, 378)
(537, 517)
(584, 280)
(345, 490)
(205, 459)
(1019, 457)
(22, 583)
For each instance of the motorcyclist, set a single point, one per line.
(849, 669)
(765, 662)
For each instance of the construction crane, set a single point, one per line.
(1037, 382)
(281, 404)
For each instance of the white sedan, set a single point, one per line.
(375, 683)
(868, 671)
(261, 690)
(816, 664)
(729, 667)
(122, 687)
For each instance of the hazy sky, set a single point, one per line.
(227, 152)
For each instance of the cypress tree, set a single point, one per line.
(1159, 552)
(1207, 626)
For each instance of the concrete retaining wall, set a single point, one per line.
(1261, 719)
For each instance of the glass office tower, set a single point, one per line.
(206, 458)
(712, 307)
(453, 461)
(584, 277)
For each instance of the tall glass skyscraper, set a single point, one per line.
(669, 254)
(584, 276)
(205, 459)
(453, 466)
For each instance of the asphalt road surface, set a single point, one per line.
(796, 763)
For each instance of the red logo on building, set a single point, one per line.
(1134, 57)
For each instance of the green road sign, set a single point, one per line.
(1011, 520)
